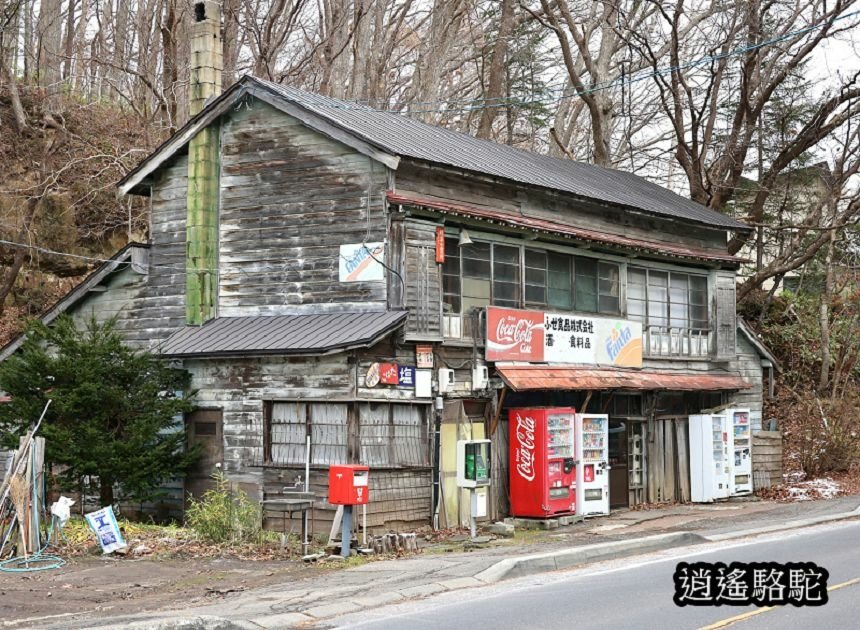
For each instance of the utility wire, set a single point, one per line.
(500, 102)
(506, 101)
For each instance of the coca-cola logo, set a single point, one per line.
(525, 449)
(514, 331)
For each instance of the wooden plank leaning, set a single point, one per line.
(21, 458)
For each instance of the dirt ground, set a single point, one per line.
(128, 585)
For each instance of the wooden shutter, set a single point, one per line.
(725, 315)
(423, 282)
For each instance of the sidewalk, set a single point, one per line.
(444, 568)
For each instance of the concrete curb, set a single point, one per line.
(796, 524)
(567, 558)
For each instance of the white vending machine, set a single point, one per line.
(592, 464)
(710, 464)
(740, 441)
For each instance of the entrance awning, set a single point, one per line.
(528, 377)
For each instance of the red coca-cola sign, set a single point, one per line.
(514, 335)
(524, 448)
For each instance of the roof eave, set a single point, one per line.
(320, 351)
(566, 232)
(738, 227)
(138, 180)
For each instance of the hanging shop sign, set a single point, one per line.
(440, 244)
(424, 357)
(361, 262)
(543, 337)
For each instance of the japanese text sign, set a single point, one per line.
(537, 337)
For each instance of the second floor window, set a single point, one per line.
(571, 283)
(667, 299)
(481, 273)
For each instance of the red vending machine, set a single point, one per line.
(542, 465)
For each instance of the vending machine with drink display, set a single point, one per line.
(542, 464)
(740, 438)
(592, 464)
(710, 460)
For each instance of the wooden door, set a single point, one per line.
(618, 461)
(669, 460)
(204, 427)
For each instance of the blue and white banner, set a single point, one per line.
(360, 262)
(103, 523)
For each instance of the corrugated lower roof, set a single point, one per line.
(407, 137)
(528, 377)
(317, 333)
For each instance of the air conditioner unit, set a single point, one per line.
(446, 380)
(480, 377)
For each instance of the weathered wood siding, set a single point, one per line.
(121, 295)
(748, 366)
(289, 198)
(162, 307)
(502, 197)
(242, 387)
(399, 500)
(422, 277)
(767, 458)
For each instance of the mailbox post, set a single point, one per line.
(473, 472)
(347, 486)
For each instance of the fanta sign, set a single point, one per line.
(524, 451)
(622, 345)
(539, 337)
(361, 262)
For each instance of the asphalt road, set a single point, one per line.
(636, 593)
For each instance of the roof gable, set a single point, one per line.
(123, 259)
(388, 136)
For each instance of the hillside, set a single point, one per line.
(57, 194)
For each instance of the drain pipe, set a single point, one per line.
(437, 453)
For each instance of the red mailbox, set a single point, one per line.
(347, 484)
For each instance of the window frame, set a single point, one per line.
(418, 434)
(645, 320)
(602, 274)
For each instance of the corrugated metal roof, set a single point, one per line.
(317, 333)
(407, 137)
(526, 377)
(554, 227)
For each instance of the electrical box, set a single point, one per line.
(348, 484)
(473, 463)
(446, 380)
(480, 377)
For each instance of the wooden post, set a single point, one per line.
(495, 423)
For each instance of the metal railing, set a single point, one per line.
(664, 342)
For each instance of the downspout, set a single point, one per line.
(437, 454)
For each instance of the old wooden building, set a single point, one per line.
(324, 270)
